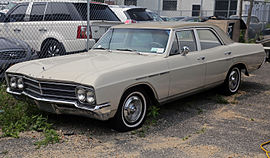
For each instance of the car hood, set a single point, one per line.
(11, 44)
(74, 68)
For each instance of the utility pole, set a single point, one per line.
(201, 9)
(159, 7)
(88, 25)
(229, 8)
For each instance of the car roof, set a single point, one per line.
(163, 25)
(67, 1)
(125, 6)
(176, 25)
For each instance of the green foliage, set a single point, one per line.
(220, 100)
(267, 25)
(51, 137)
(153, 111)
(19, 116)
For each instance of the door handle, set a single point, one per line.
(228, 53)
(42, 30)
(17, 30)
(201, 58)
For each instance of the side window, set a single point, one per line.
(57, 11)
(186, 38)
(18, 14)
(37, 12)
(208, 39)
(97, 12)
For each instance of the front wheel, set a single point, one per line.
(131, 112)
(232, 82)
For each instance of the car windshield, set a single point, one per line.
(135, 40)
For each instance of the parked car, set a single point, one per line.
(177, 18)
(165, 18)
(191, 19)
(256, 26)
(13, 51)
(154, 15)
(57, 28)
(131, 14)
(6, 6)
(133, 67)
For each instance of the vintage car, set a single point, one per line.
(133, 67)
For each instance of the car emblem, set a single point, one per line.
(12, 55)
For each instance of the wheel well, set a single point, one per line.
(242, 66)
(150, 92)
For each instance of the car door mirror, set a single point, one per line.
(2, 17)
(185, 50)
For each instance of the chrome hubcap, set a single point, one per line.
(53, 50)
(234, 80)
(133, 109)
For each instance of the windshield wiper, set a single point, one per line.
(101, 48)
(126, 49)
(130, 50)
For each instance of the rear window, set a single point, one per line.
(139, 14)
(97, 12)
(57, 12)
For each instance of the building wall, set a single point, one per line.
(184, 7)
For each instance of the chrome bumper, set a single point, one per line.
(51, 105)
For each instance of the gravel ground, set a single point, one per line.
(196, 126)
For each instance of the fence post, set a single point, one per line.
(88, 24)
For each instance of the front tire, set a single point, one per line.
(131, 111)
(232, 82)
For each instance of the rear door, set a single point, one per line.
(34, 29)
(218, 56)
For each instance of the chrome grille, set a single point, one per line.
(12, 55)
(49, 90)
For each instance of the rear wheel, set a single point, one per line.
(131, 111)
(232, 82)
(52, 48)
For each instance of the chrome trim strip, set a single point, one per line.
(154, 75)
(97, 107)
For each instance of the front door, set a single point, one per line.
(187, 71)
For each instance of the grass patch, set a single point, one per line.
(153, 114)
(220, 99)
(19, 116)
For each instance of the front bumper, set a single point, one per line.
(99, 112)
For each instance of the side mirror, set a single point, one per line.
(2, 17)
(185, 50)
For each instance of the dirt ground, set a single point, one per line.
(197, 126)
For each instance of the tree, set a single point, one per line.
(248, 19)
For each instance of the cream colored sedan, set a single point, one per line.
(133, 67)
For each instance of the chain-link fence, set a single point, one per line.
(32, 29)
(39, 29)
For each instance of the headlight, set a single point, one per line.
(13, 82)
(20, 83)
(81, 95)
(90, 97)
(85, 95)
